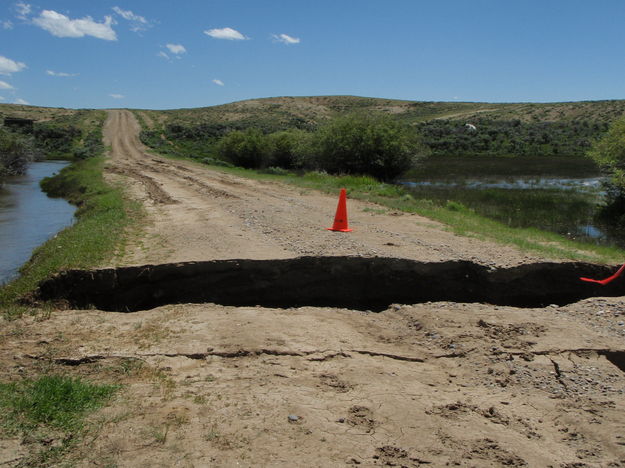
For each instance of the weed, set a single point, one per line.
(374, 210)
(199, 400)
(50, 411)
(160, 434)
(54, 401)
(455, 206)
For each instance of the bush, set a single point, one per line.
(56, 139)
(248, 149)
(378, 145)
(287, 149)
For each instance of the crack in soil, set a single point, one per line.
(325, 355)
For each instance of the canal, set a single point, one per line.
(28, 217)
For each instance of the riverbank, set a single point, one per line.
(101, 219)
(28, 217)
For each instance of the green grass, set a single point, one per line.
(50, 412)
(102, 218)
(54, 401)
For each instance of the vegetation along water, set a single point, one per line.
(557, 194)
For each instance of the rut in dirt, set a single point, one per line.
(346, 282)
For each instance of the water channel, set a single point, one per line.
(28, 217)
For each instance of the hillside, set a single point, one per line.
(515, 129)
(33, 112)
(279, 112)
(305, 112)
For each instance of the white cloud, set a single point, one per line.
(8, 24)
(23, 10)
(176, 48)
(8, 66)
(286, 39)
(129, 15)
(1, 98)
(22, 101)
(218, 82)
(117, 96)
(225, 33)
(60, 25)
(5, 85)
(163, 54)
(138, 22)
(63, 74)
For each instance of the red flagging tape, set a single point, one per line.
(603, 282)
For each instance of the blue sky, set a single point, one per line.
(160, 54)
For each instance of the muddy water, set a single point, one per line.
(28, 217)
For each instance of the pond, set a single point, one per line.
(560, 195)
(28, 217)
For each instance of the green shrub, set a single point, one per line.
(288, 148)
(248, 149)
(377, 145)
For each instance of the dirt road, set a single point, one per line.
(438, 384)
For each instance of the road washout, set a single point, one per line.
(358, 283)
(441, 383)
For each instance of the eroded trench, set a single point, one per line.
(346, 282)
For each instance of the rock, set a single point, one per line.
(293, 418)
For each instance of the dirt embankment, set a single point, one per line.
(436, 383)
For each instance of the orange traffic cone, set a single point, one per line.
(340, 219)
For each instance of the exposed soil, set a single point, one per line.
(439, 383)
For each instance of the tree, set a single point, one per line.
(609, 153)
(376, 145)
(16, 151)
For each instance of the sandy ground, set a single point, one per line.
(438, 384)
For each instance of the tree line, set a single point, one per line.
(376, 145)
(379, 145)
